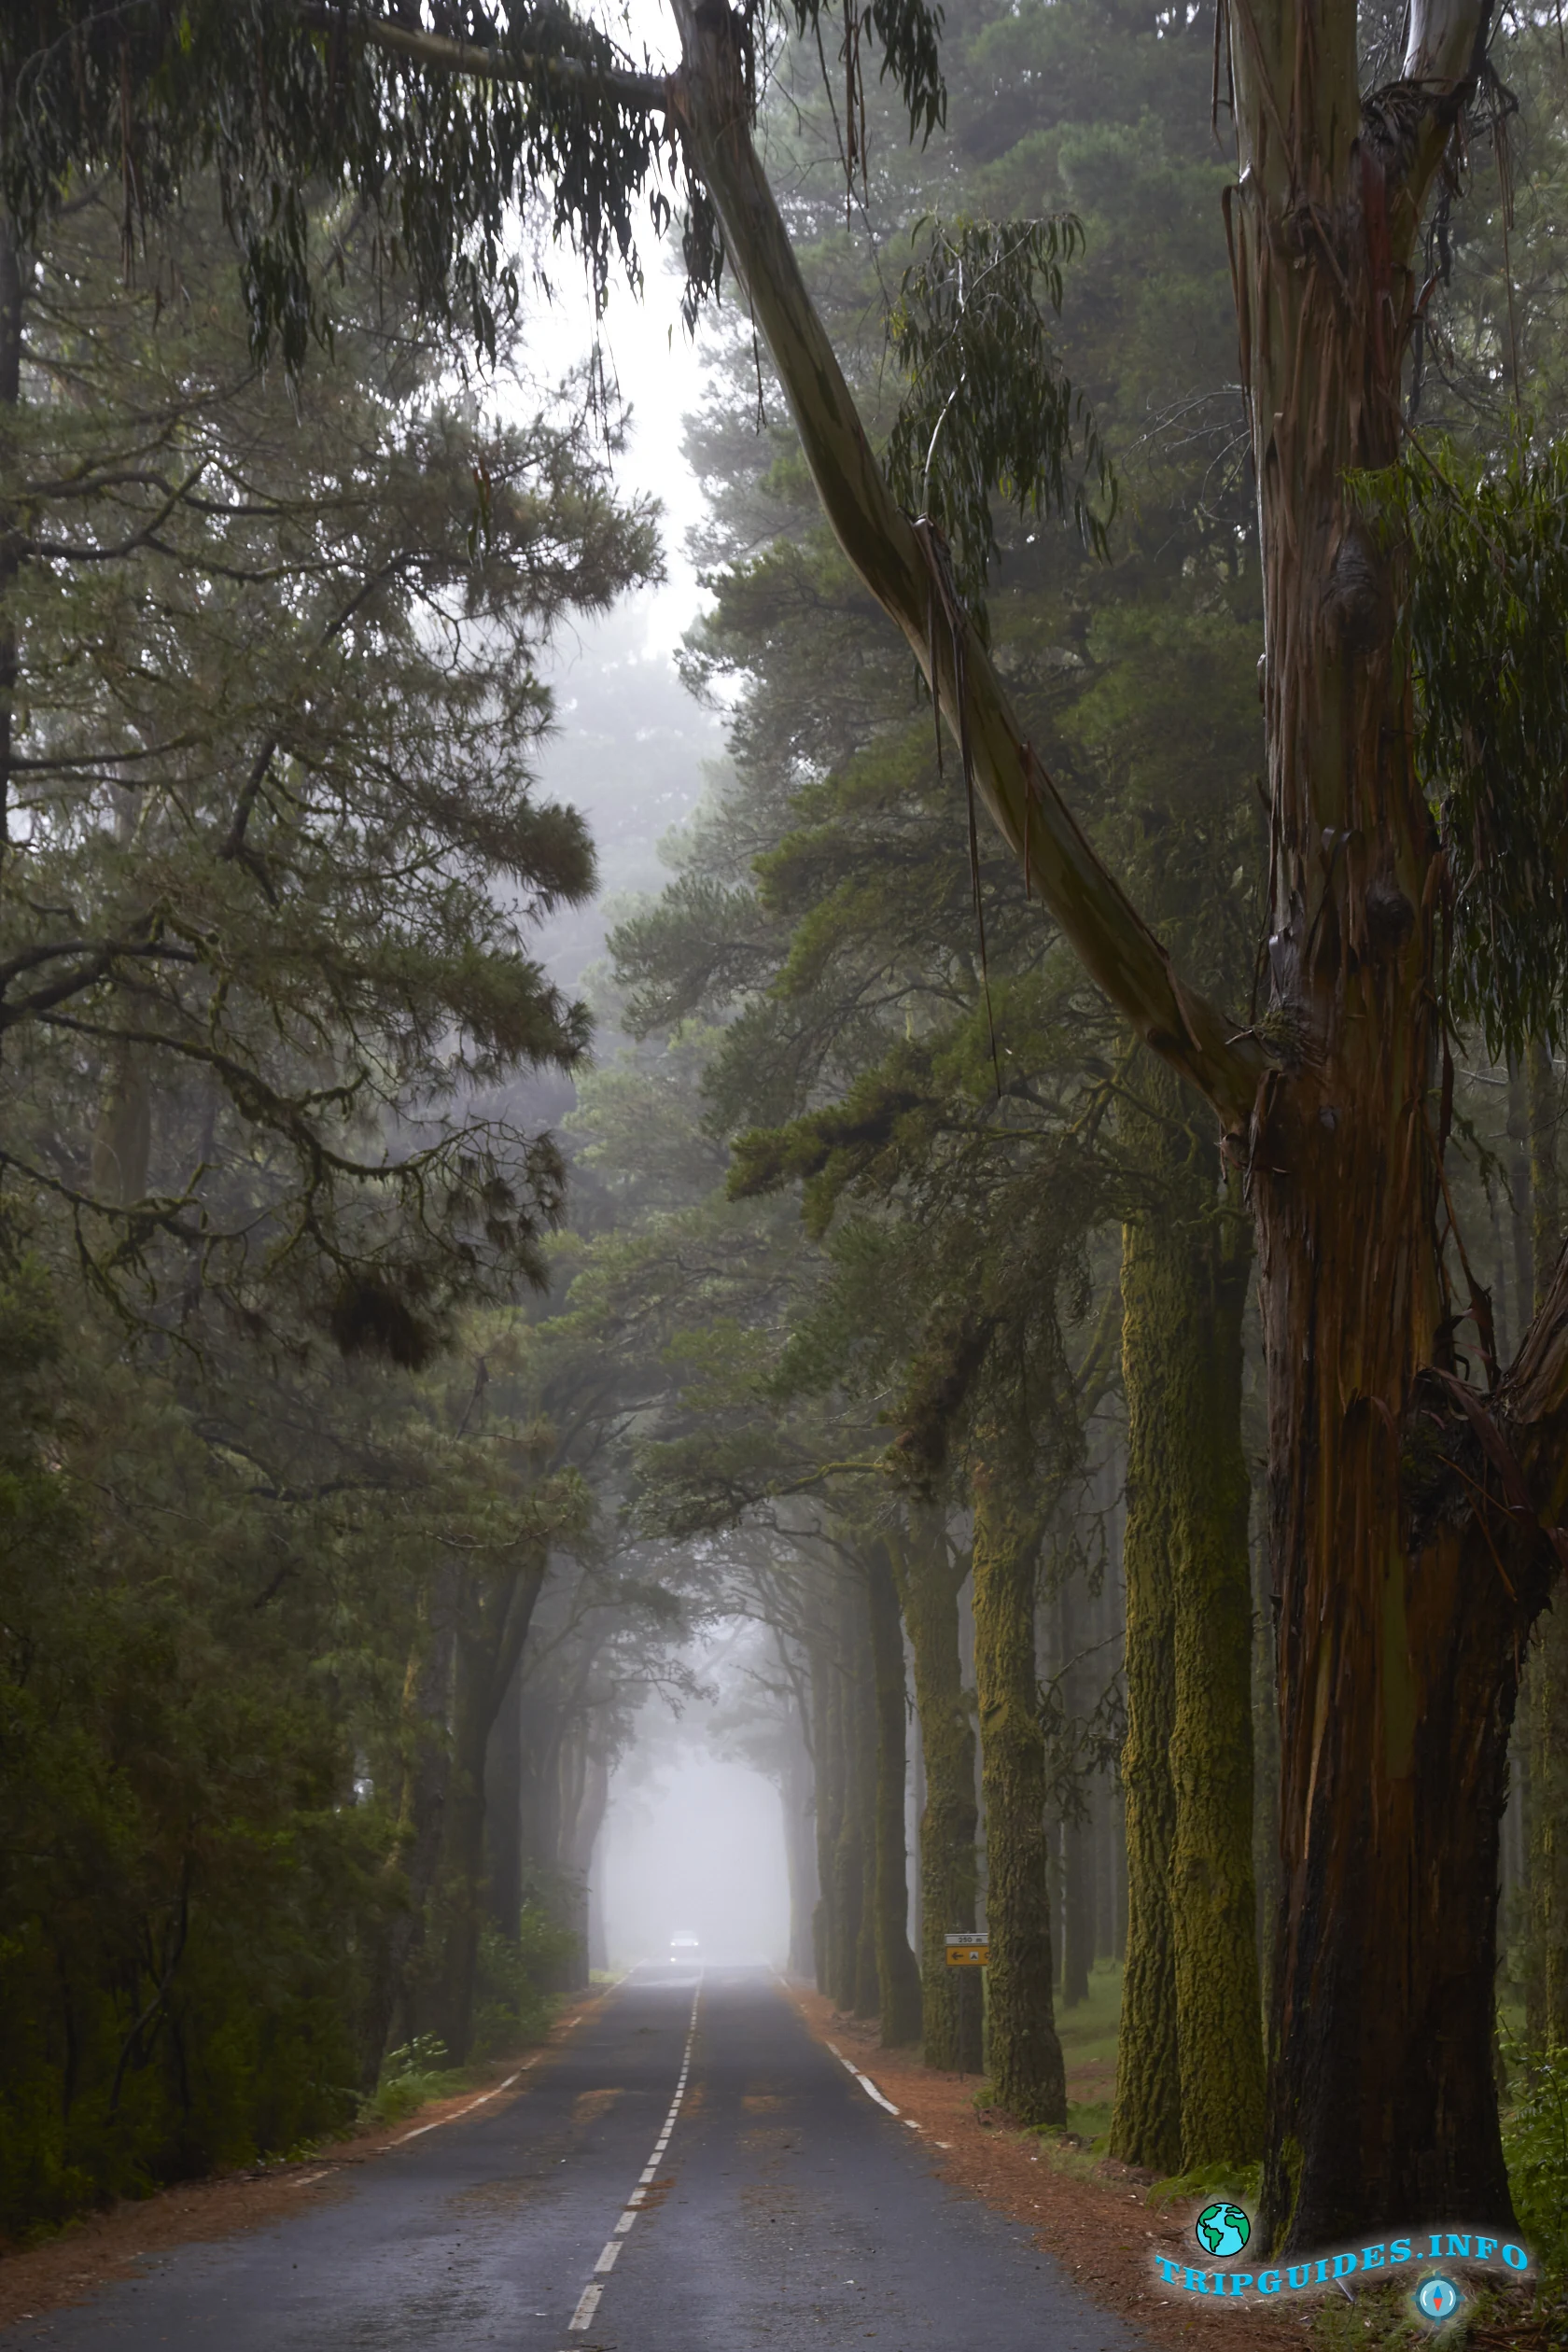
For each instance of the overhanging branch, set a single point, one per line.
(438, 55)
(1115, 944)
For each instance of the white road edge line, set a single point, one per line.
(872, 2093)
(421, 2128)
(865, 2082)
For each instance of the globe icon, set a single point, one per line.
(1222, 2230)
(1436, 2298)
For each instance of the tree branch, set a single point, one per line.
(649, 93)
(1112, 939)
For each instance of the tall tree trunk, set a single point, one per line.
(1219, 2022)
(1398, 1635)
(503, 1810)
(828, 1799)
(849, 1860)
(1547, 1963)
(930, 1579)
(796, 1804)
(863, 1730)
(1077, 1830)
(1190, 2073)
(11, 293)
(493, 1615)
(898, 1978)
(1146, 2115)
(1025, 2057)
(423, 1740)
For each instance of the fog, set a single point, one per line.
(694, 1840)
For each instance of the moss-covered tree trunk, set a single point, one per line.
(493, 1616)
(863, 1732)
(898, 1978)
(828, 1785)
(930, 1579)
(1547, 1963)
(1077, 1833)
(425, 1763)
(503, 1812)
(849, 1858)
(1025, 2059)
(1146, 2115)
(1190, 2074)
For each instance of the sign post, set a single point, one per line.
(967, 1952)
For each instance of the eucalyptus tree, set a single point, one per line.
(1409, 1510)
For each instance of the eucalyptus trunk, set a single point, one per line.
(1411, 1513)
(1024, 2055)
(930, 1579)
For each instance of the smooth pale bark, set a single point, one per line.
(1024, 2055)
(898, 1978)
(930, 1575)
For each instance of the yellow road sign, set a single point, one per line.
(963, 1955)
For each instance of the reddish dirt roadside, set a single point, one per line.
(101, 2247)
(1099, 2230)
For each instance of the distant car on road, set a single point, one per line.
(684, 1949)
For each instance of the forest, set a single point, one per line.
(1041, 1217)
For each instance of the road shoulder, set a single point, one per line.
(91, 2252)
(1099, 2229)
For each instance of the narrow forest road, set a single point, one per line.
(780, 2207)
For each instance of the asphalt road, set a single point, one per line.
(779, 2209)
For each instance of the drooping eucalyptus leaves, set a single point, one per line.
(990, 412)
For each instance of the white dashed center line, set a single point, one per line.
(588, 2302)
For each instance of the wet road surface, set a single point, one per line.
(689, 2173)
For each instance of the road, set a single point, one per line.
(691, 2153)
